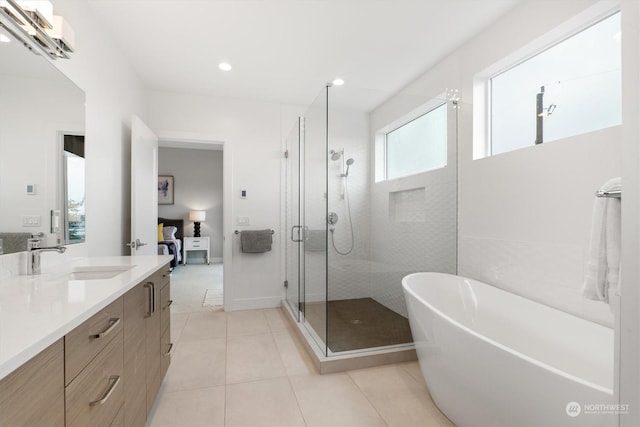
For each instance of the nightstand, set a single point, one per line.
(195, 244)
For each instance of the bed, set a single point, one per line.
(172, 244)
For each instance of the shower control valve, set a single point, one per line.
(332, 218)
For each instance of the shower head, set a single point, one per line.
(349, 163)
(335, 155)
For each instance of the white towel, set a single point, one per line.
(603, 265)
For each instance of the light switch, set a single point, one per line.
(243, 220)
(31, 221)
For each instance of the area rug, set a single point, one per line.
(213, 298)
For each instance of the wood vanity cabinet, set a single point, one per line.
(136, 303)
(105, 372)
(33, 394)
(94, 370)
(143, 354)
(96, 395)
(165, 321)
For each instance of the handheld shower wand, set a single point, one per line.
(349, 163)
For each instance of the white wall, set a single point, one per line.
(253, 131)
(113, 93)
(628, 335)
(198, 186)
(524, 216)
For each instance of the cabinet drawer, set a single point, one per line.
(33, 394)
(135, 385)
(197, 243)
(165, 304)
(83, 343)
(160, 277)
(96, 395)
(118, 421)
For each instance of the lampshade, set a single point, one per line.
(197, 216)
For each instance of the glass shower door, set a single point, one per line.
(306, 220)
(293, 228)
(314, 218)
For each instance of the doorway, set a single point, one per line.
(197, 203)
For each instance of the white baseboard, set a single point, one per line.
(252, 303)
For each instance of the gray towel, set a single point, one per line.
(256, 241)
(14, 242)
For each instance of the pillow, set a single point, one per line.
(160, 230)
(169, 233)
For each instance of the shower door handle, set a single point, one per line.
(293, 239)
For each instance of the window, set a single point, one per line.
(417, 146)
(569, 89)
(74, 192)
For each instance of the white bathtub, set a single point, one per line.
(492, 358)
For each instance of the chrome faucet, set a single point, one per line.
(33, 255)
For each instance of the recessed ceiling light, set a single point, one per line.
(338, 82)
(4, 39)
(224, 66)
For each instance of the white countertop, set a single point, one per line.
(36, 311)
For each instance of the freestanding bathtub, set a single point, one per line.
(492, 358)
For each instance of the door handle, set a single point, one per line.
(136, 244)
(299, 227)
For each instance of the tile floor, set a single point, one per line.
(247, 368)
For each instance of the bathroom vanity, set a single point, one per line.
(87, 344)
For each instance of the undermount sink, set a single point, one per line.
(98, 272)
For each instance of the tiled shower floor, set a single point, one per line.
(360, 323)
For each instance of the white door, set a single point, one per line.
(144, 189)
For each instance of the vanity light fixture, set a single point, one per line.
(32, 23)
(225, 66)
(41, 11)
(63, 33)
(338, 82)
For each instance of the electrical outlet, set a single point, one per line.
(243, 220)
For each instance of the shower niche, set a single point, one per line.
(350, 239)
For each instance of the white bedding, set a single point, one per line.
(178, 244)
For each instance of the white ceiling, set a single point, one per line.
(286, 50)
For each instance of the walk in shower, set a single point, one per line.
(353, 231)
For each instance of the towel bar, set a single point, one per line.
(615, 194)
(238, 232)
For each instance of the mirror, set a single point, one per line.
(38, 107)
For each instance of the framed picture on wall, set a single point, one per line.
(165, 189)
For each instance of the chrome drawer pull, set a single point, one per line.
(168, 353)
(152, 298)
(116, 380)
(114, 322)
